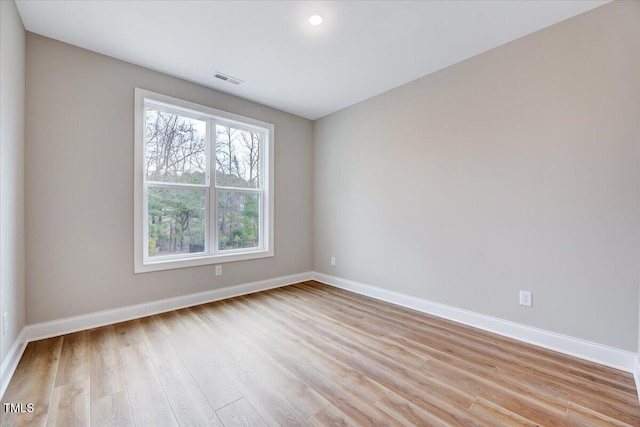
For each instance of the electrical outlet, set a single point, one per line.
(5, 325)
(333, 260)
(525, 298)
(218, 270)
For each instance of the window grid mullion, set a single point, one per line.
(213, 192)
(177, 185)
(239, 189)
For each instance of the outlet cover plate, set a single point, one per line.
(526, 298)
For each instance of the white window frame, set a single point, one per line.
(142, 262)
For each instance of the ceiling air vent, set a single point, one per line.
(227, 78)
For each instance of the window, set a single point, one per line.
(203, 185)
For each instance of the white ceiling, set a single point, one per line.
(363, 48)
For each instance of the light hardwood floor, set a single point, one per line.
(309, 354)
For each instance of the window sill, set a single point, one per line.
(170, 264)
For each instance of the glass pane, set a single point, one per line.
(176, 221)
(237, 157)
(175, 148)
(238, 220)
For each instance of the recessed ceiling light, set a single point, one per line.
(315, 20)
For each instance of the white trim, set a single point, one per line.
(636, 374)
(594, 352)
(170, 263)
(10, 362)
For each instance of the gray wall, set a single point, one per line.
(516, 169)
(79, 186)
(12, 281)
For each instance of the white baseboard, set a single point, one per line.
(636, 374)
(602, 354)
(67, 325)
(10, 362)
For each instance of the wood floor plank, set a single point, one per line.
(214, 329)
(109, 401)
(426, 394)
(149, 405)
(497, 415)
(21, 376)
(309, 354)
(36, 385)
(70, 405)
(590, 417)
(172, 322)
(274, 408)
(189, 405)
(106, 370)
(408, 412)
(315, 351)
(240, 414)
(156, 338)
(111, 410)
(304, 398)
(536, 406)
(343, 398)
(179, 321)
(609, 401)
(195, 350)
(364, 332)
(128, 333)
(74, 359)
(332, 416)
(340, 371)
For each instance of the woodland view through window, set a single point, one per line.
(204, 190)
